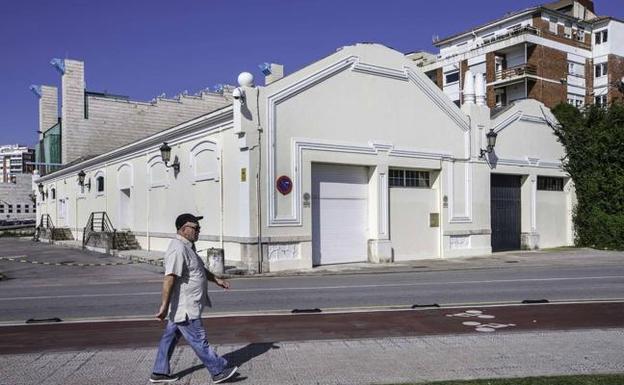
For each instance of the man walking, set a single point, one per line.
(184, 295)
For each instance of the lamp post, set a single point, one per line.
(81, 180)
(491, 142)
(44, 194)
(165, 153)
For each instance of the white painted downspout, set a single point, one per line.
(221, 246)
(258, 190)
(147, 193)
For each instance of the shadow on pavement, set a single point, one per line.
(236, 358)
(247, 353)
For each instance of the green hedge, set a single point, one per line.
(594, 141)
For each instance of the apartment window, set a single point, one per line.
(99, 182)
(552, 24)
(580, 34)
(409, 178)
(549, 183)
(576, 69)
(576, 100)
(19, 209)
(567, 30)
(1, 209)
(600, 70)
(601, 100)
(452, 77)
(601, 37)
(10, 209)
(26, 209)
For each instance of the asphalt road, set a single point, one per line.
(129, 291)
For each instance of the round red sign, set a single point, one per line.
(284, 185)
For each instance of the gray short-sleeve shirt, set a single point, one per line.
(190, 290)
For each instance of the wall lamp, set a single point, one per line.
(44, 194)
(165, 153)
(81, 180)
(491, 142)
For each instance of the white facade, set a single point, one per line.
(383, 167)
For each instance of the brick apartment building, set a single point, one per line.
(92, 123)
(557, 52)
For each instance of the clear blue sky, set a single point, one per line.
(142, 48)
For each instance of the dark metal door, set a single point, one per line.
(505, 212)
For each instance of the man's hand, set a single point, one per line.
(162, 312)
(222, 283)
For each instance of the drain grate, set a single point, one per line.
(43, 320)
(315, 310)
(530, 301)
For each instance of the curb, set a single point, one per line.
(149, 261)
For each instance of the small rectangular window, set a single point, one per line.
(10, 209)
(26, 209)
(552, 24)
(1, 209)
(601, 37)
(19, 209)
(549, 183)
(601, 100)
(409, 178)
(452, 77)
(396, 178)
(600, 70)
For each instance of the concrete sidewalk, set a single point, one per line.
(547, 257)
(357, 362)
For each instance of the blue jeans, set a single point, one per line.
(195, 334)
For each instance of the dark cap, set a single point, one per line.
(182, 219)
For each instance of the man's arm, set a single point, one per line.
(166, 296)
(218, 281)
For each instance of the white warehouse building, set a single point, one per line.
(358, 157)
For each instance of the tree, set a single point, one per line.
(594, 142)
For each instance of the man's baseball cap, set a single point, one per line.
(182, 219)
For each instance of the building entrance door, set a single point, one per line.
(505, 212)
(125, 209)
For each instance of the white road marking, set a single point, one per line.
(342, 287)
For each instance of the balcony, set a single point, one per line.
(516, 72)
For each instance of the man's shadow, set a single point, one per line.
(237, 358)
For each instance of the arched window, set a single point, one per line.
(204, 160)
(99, 184)
(157, 172)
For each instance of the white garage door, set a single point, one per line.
(339, 214)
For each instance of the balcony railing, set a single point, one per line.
(527, 29)
(515, 72)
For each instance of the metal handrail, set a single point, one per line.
(516, 71)
(46, 221)
(98, 222)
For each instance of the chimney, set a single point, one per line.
(272, 72)
(48, 108)
(73, 90)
